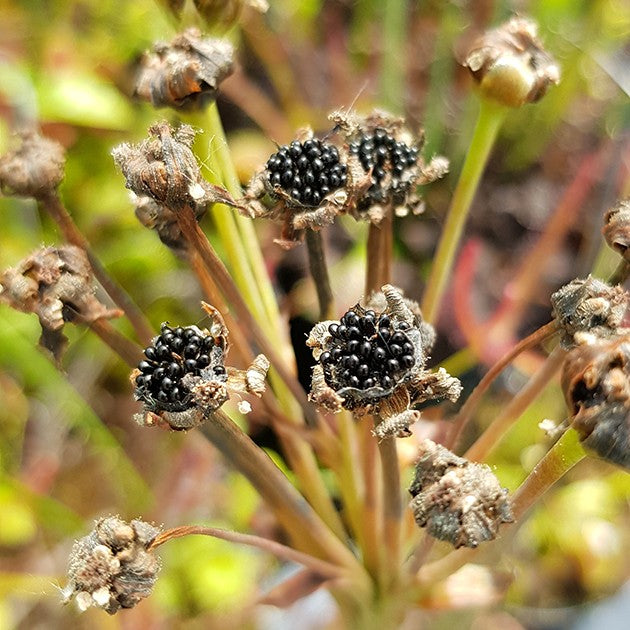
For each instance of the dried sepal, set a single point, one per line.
(616, 228)
(34, 169)
(186, 72)
(164, 168)
(394, 170)
(183, 379)
(596, 384)
(458, 501)
(510, 64)
(163, 220)
(112, 567)
(373, 361)
(589, 305)
(56, 284)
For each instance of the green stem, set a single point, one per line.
(392, 75)
(489, 121)
(319, 273)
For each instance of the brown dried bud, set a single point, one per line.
(112, 567)
(616, 228)
(458, 501)
(35, 169)
(589, 306)
(185, 73)
(596, 384)
(183, 378)
(510, 64)
(373, 361)
(56, 284)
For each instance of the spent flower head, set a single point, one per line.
(385, 151)
(185, 73)
(112, 567)
(56, 284)
(458, 501)
(596, 384)
(373, 361)
(511, 65)
(183, 378)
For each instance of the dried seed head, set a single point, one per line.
(34, 169)
(616, 228)
(590, 306)
(458, 501)
(56, 284)
(373, 360)
(163, 220)
(382, 149)
(112, 567)
(164, 168)
(183, 378)
(596, 384)
(510, 64)
(185, 73)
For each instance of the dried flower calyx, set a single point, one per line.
(183, 378)
(34, 169)
(589, 305)
(385, 151)
(185, 73)
(458, 501)
(112, 567)
(616, 228)
(56, 284)
(596, 384)
(510, 64)
(373, 360)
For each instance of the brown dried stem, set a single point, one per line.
(379, 254)
(54, 207)
(126, 349)
(463, 417)
(289, 554)
(319, 273)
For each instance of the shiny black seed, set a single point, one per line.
(179, 331)
(365, 348)
(316, 198)
(350, 318)
(342, 331)
(317, 165)
(368, 382)
(335, 354)
(190, 365)
(353, 381)
(202, 361)
(159, 374)
(189, 333)
(393, 365)
(385, 333)
(145, 366)
(403, 326)
(387, 382)
(353, 361)
(335, 180)
(174, 369)
(363, 370)
(141, 380)
(163, 353)
(325, 357)
(345, 375)
(395, 349)
(309, 177)
(407, 347)
(162, 396)
(379, 354)
(399, 338)
(150, 353)
(296, 194)
(407, 361)
(167, 383)
(324, 190)
(354, 332)
(176, 394)
(333, 329)
(383, 321)
(353, 346)
(191, 351)
(178, 344)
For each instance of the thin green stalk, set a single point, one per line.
(489, 121)
(392, 75)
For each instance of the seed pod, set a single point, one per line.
(186, 73)
(458, 501)
(590, 306)
(374, 361)
(616, 228)
(56, 284)
(510, 64)
(596, 384)
(112, 567)
(34, 169)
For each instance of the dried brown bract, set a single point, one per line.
(164, 221)
(183, 378)
(185, 73)
(596, 384)
(458, 501)
(589, 305)
(373, 361)
(510, 64)
(56, 284)
(34, 169)
(164, 168)
(112, 567)
(305, 185)
(616, 228)
(384, 150)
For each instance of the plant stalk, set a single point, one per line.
(126, 349)
(489, 121)
(319, 273)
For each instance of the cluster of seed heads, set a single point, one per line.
(367, 351)
(175, 353)
(307, 171)
(380, 152)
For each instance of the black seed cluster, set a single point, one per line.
(367, 351)
(307, 171)
(175, 353)
(381, 152)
